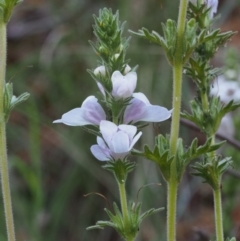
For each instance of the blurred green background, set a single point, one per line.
(51, 166)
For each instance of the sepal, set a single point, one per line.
(161, 154)
(10, 100)
(6, 6)
(209, 121)
(127, 230)
(200, 13)
(120, 169)
(211, 169)
(231, 239)
(195, 151)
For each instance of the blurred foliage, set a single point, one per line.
(51, 165)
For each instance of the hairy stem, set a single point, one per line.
(3, 147)
(216, 192)
(123, 200)
(171, 212)
(176, 103)
(218, 213)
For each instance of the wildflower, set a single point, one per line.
(90, 113)
(140, 109)
(117, 141)
(227, 90)
(123, 86)
(213, 4)
(226, 127)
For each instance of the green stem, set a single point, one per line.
(218, 213)
(123, 200)
(3, 150)
(171, 212)
(217, 203)
(176, 103)
(177, 76)
(216, 192)
(205, 103)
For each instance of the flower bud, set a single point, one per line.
(127, 69)
(101, 70)
(123, 86)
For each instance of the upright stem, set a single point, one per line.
(123, 200)
(177, 76)
(217, 203)
(218, 213)
(3, 148)
(177, 95)
(171, 211)
(216, 192)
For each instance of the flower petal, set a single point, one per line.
(129, 130)
(213, 4)
(141, 97)
(107, 129)
(140, 109)
(101, 88)
(120, 142)
(74, 117)
(155, 113)
(101, 142)
(101, 70)
(123, 86)
(135, 139)
(93, 111)
(102, 154)
(134, 111)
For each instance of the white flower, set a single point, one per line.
(213, 4)
(123, 86)
(90, 113)
(100, 70)
(226, 127)
(117, 141)
(140, 109)
(227, 90)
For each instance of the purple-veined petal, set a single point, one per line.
(135, 139)
(140, 109)
(102, 154)
(93, 111)
(134, 111)
(107, 129)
